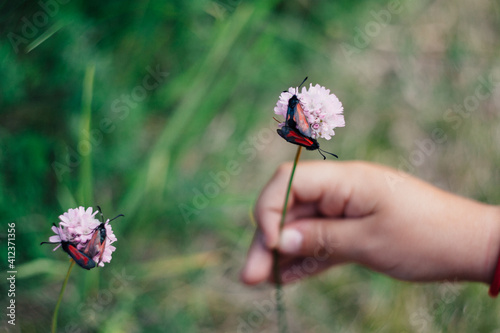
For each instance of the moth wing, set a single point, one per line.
(301, 121)
(79, 257)
(103, 246)
(294, 136)
(93, 245)
(97, 243)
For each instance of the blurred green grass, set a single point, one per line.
(153, 150)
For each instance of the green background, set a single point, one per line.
(184, 161)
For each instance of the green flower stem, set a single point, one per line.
(280, 304)
(56, 310)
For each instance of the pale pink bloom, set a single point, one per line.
(77, 226)
(323, 110)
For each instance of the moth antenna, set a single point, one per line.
(319, 151)
(49, 242)
(117, 216)
(303, 82)
(100, 211)
(276, 120)
(328, 153)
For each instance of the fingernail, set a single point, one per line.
(291, 241)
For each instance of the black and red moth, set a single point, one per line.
(97, 244)
(83, 260)
(296, 129)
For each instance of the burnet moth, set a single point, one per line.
(97, 243)
(83, 260)
(296, 129)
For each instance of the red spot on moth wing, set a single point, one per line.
(299, 138)
(80, 258)
(294, 136)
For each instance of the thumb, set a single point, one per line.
(338, 238)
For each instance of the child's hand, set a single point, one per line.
(342, 212)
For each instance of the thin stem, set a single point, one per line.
(295, 162)
(280, 304)
(56, 310)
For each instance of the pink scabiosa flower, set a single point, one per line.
(309, 115)
(75, 226)
(323, 110)
(80, 228)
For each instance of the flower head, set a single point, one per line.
(322, 109)
(78, 226)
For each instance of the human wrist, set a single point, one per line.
(492, 245)
(474, 240)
